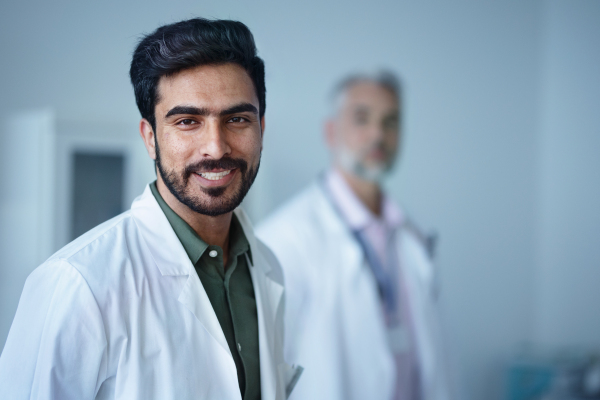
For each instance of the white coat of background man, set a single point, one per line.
(360, 286)
(174, 299)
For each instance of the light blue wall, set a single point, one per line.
(501, 134)
(569, 240)
(469, 171)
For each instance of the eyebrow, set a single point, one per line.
(191, 110)
(242, 107)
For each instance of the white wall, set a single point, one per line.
(569, 244)
(492, 88)
(26, 203)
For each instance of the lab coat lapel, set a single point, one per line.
(422, 287)
(417, 273)
(172, 260)
(268, 292)
(194, 298)
(330, 216)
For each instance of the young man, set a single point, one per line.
(360, 295)
(176, 298)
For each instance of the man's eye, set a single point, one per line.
(361, 117)
(360, 120)
(238, 120)
(390, 124)
(186, 122)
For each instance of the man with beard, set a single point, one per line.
(360, 288)
(176, 298)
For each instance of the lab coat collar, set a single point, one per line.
(168, 252)
(249, 233)
(355, 214)
(164, 245)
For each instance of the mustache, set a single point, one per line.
(223, 163)
(378, 145)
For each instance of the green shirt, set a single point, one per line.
(230, 291)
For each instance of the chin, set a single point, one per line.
(214, 201)
(210, 201)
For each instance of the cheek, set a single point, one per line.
(251, 146)
(349, 136)
(175, 151)
(391, 142)
(359, 138)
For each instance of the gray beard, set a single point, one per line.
(350, 163)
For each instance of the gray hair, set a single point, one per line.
(384, 78)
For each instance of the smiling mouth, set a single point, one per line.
(215, 176)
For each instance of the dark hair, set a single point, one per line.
(187, 44)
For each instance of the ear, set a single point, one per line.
(147, 134)
(262, 127)
(329, 133)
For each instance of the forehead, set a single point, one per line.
(208, 86)
(369, 95)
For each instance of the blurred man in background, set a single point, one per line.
(174, 299)
(360, 287)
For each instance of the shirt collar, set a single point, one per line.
(238, 243)
(192, 243)
(355, 213)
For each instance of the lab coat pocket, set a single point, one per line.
(289, 376)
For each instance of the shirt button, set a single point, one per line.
(239, 347)
(213, 253)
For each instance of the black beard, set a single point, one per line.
(177, 185)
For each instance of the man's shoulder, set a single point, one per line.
(268, 256)
(302, 227)
(414, 234)
(87, 263)
(99, 239)
(99, 255)
(302, 209)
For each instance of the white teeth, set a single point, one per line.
(214, 176)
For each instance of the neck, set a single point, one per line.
(213, 230)
(368, 192)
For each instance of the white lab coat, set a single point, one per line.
(334, 324)
(120, 313)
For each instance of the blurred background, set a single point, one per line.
(500, 157)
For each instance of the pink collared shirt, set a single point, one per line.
(379, 230)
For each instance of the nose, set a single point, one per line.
(376, 131)
(214, 141)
